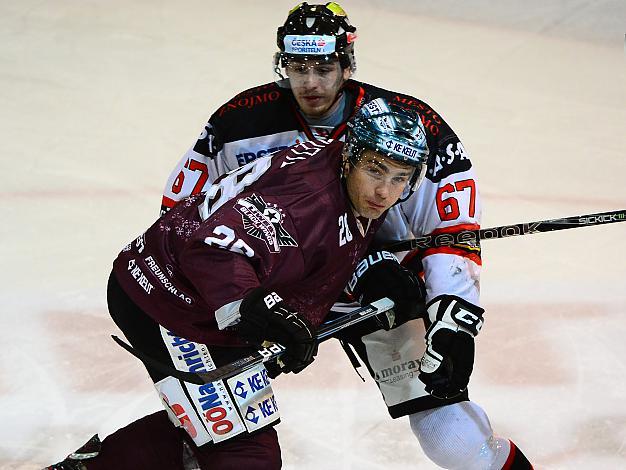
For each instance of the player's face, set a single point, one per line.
(315, 85)
(376, 183)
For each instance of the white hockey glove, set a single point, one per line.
(265, 317)
(380, 275)
(448, 361)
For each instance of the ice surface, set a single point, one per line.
(100, 99)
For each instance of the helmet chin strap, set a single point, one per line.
(414, 183)
(339, 92)
(330, 109)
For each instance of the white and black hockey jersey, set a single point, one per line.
(265, 119)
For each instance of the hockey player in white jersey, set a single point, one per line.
(315, 96)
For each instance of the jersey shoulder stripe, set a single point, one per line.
(434, 124)
(260, 110)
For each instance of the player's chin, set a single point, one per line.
(370, 212)
(314, 108)
(313, 112)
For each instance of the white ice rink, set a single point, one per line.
(99, 99)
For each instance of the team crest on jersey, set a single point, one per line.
(264, 220)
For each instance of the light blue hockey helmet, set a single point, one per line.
(391, 130)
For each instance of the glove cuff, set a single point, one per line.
(365, 267)
(457, 312)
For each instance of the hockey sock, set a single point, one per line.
(516, 460)
(150, 442)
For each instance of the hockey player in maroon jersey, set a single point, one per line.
(261, 256)
(314, 96)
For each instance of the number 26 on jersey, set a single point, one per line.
(345, 235)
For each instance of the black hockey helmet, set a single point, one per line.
(392, 131)
(319, 32)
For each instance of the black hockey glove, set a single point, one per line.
(265, 317)
(448, 361)
(381, 275)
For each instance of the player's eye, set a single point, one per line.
(323, 71)
(400, 179)
(373, 170)
(298, 68)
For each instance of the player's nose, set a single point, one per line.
(382, 190)
(311, 79)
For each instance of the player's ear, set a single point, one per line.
(347, 73)
(345, 166)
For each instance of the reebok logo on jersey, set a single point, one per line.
(264, 220)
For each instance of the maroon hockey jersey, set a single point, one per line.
(283, 222)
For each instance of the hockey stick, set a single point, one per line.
(472, 237)
(260, 355)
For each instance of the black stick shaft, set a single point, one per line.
(261, 355)
(275, 350)
(474, 236)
